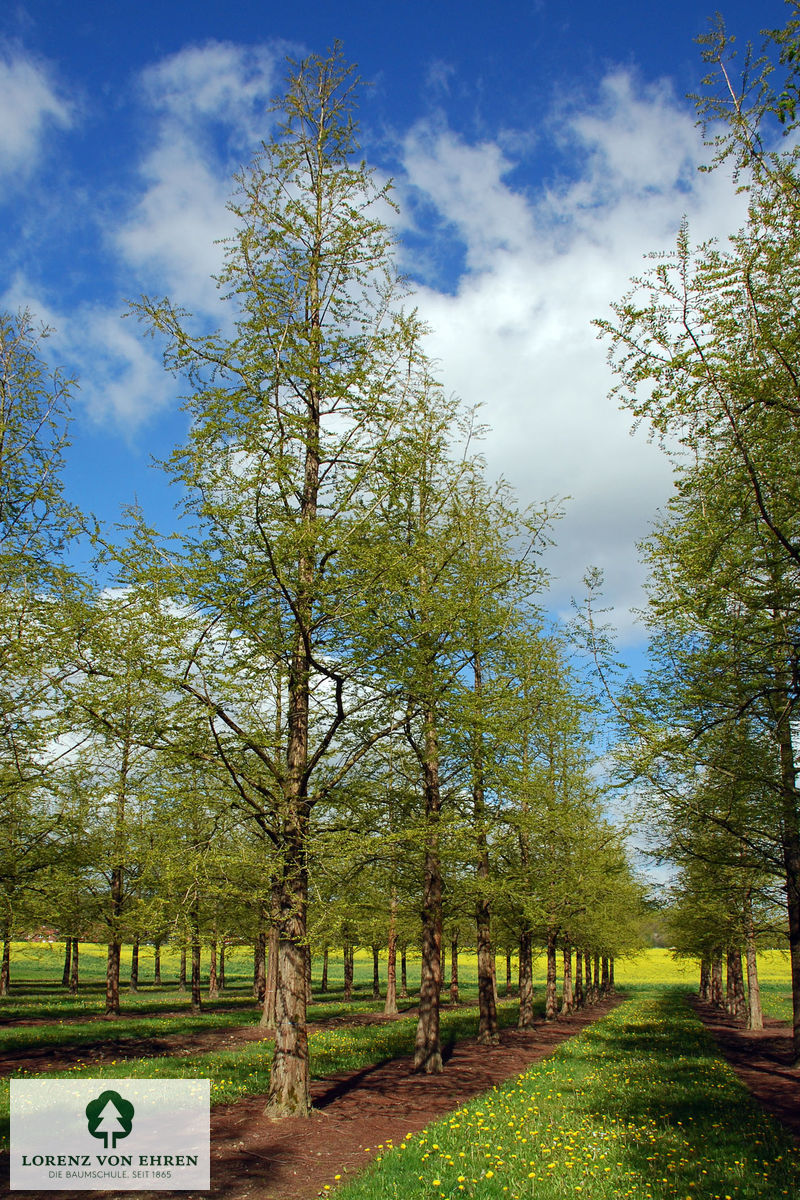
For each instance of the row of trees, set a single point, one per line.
(327, 700)
(707, 352)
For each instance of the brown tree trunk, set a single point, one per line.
(213, 983)
(604, 977)
(611, 985)
(488, 1031)
(508, 972)
(736, 982)
(567, 999)
(196, 996)
(324, 981)
(348, 971)
(716, 979)
(525, 1019)
(403, 973)
(157, 964)
(221, 974)
(260, 966)
(454, 968)
(755, 1017)
(133, 986)
(790, 836)
(705, 979)
(290, 1080)
(67, 962)
(596, 978)
(427, 1046)
(587, 978)
(390, 1005)
(73, 971)
(376, 978)
(5, 965)
(112, 979)
(182, 975)
(579, 997)
(550, 995)
(271, 983)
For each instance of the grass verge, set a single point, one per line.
(638, 1107)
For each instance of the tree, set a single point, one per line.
(288, 413)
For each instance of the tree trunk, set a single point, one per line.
(73, 971)
(5, 966)
(157, 964)
(427, 1046)
(390, 1006)
(790, 835)
(611, 986)
(260, 966)
(67, 962)
(705, 979)
(182, 976)
(324, 981)
(487, 1005)
(290, 1080)
(213, 982)
(271, 984)
(596, 978)
(567, 999)
(550, 995)
(133, 986)
(488, 1032)
(755, 1017)
(604, 977)
(736, 983)
(376, 978)
(716, 978)
(579, 998)
(587, 978)
(221, 974)
(196, 996)
(403, 973)
(112, 979)
(508, 972)
(348, 972)
(454, 968)
(525, 1019)
(308, 972)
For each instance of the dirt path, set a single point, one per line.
(762, 1060)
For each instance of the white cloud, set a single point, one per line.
(516, 334)
(120, 377)
(210, 106)
(29, 103)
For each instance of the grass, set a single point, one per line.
(638, 1107)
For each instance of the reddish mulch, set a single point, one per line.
(762, 1058)
(253, 1158)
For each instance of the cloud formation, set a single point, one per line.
(29, 105)
(515, 334)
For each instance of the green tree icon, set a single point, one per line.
(109, 1117)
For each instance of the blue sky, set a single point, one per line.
(538, 151)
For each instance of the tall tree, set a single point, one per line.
(288, 413)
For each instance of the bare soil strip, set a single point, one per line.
(762, 1059)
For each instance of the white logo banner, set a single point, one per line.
(120, 1134)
